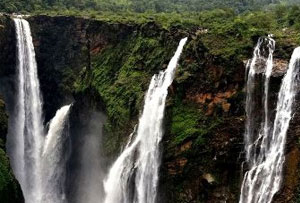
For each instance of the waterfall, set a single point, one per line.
(133, 178)
(252, 142)
(26, 133)
(265, 148)
(38, 161)
(54, 158)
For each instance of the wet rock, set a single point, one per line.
(280, 66)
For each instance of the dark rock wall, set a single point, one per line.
(63, 50)
(7, 60)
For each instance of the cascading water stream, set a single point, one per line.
(38, 163)
(265, 148)
(268, 72)
(252, 141)
(250, 123)
(27, 132)
(55, 156)
(133, 178)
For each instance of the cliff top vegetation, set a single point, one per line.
(140, 6)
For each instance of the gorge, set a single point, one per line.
(89, 82)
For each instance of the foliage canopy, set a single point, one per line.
(139, 6)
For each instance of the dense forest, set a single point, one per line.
(139, 5)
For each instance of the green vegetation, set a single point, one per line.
(190, 123)
(121, 75)
(224, 32)
(186, 125)
(231, 35)
(137, 5)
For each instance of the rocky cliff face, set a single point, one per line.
(107, 66)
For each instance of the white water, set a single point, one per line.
(249, 135)
(38, 163)
(133, 178)
(54, 158)
(265, 148)
(252, 141)
(26, 135)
